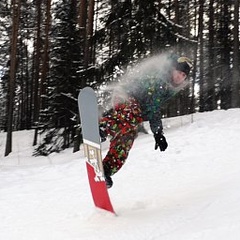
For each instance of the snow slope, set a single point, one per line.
(189, 192)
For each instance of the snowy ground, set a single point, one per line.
(189, 192)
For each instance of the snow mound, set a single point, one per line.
(190, 191)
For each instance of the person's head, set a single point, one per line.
(181, 69)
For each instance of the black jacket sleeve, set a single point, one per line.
(156, 122)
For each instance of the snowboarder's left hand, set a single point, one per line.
(160, 141)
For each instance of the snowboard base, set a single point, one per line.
(96, 178)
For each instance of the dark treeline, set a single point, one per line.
(49, 50)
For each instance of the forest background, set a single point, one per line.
(50, 49)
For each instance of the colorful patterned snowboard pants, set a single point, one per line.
(121, 124)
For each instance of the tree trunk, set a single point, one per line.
(88, 51)
(236, 75)
(226, 78)
(210, 102)
(201, 63)
(37, 70)
(13, 65)
(83, 26)
(45, 64)
(192, 104)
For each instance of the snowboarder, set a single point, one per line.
(140, 99)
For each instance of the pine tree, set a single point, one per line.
(59, 119)
(132, 30)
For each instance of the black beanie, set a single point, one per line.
(182, 64)
(183, 67)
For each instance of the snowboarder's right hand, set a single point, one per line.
(160, 141)
(102, 134)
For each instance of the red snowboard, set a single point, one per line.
(99, 191)
(88, 108)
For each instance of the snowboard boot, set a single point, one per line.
(107, 175)
(108, 181)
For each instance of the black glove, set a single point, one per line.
(103, 136)
(160, 141)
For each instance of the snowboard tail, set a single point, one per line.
(88, 109)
